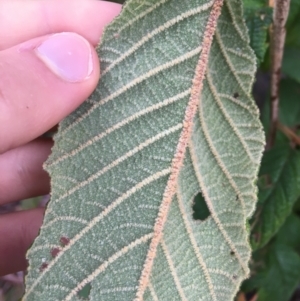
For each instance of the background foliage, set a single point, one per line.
(275, 226)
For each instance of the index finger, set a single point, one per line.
(24, 20)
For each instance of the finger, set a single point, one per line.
(17, 232)
(21, 172)
(30, 19)
(42, 81)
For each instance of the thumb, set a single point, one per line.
(42, 81)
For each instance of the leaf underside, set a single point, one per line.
(115, 157)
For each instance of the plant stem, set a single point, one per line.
(254, 298)
(289, 133)
(280, 14)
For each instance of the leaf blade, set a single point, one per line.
(141, 122)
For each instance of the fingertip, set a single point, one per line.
(61, 71)
(86, 17)
(21, 172)
(109, 11)
(68, 55)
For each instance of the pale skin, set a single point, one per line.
(33, 99)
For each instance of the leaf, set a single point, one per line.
(282, 275)
(291, 64)
(289, 109)
(279, 189)
(289, 113)
(292, 35)
(255, 282)
(264, 263)
(289, 233)
(293, 14)
(258, 21)
(172, 116)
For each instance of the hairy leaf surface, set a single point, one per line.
(171, 117)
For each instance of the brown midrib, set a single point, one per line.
(179, 156)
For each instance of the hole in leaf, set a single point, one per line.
(85, 291)
(200, 209)
(236, 95)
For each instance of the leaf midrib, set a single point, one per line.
(177, 162)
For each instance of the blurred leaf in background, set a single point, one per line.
(291, 58)
(275, 227)
(279, 189)
(278, 272)
(258, 19)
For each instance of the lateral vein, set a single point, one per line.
(117, 126)
(133, 83)
(96, 220)
(196, 250)
(119, 160)
(212, 210)
(173, 271)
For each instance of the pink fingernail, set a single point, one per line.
(68, 55)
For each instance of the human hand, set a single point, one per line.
(44, 76)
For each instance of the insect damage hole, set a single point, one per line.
(84, 293)
(200, 209)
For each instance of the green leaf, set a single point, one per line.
(287, 236)
(282, 275)
(289, 233)
(293, 14)
(258, 21)
(293, 25)
(297, 207)
(289, 110)
(172, 116)
(254, 283)
(291, 63)
(279, 189)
